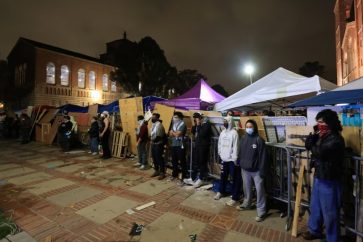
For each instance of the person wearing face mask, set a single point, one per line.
(157, 134)
(64, 133)
(105, 135)
(327, 151)
(228, 152)
(142, 138)
(253, 161)
(177, 133)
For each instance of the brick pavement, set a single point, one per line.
(36, 214)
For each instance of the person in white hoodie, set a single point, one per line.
(228, 152)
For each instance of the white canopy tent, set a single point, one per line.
(275, 90)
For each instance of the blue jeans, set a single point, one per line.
(142, 153)
(325, 208)
(230, 169)
(94, 144)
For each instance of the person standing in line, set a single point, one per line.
(177, 134)
(105, 135)
(157, 146)
(64, 133)
(327, 148)
(228, 152)
(202, 132)
(25, 127)
(253, 161)
(142, 138)
(94, 132)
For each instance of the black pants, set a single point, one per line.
(202, 158)
(105, 147)
(178, 154)
(157, 151)
(24, 133)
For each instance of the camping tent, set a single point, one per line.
(199, 97)
(146, 101)
(111, 107)
(277, 89)
(351, 93)
(71, 108)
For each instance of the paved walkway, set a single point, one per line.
(78, 197)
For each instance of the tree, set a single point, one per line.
(4, 79)
(220, 89)
(310, 69)
(186, 79)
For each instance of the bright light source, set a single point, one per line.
(95, 95)
(249, 69)
(1, 105)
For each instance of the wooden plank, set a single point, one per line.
(93, 110)
(53, 131)
(296, 135)
(45, 128)
(166, 115)
(49, 116)
(258, 120)
(297, 201)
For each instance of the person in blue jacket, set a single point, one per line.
(327, 155)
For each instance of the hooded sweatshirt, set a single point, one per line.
(252, 154)
(228, 144)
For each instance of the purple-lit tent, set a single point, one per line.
(200, 97)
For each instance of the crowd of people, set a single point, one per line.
(15, 127)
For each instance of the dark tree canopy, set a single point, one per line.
(220, 89)
(4, 79)
(310, 69)
(142, 69)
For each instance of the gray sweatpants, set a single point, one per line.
(247, 177)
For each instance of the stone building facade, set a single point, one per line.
(349, 40)
(42, 74)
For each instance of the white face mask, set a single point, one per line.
(176, 120)
(249, 131)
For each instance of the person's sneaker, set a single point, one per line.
(260, 218)
(218, 196)
(156, 173)
(162, 176)
(231, 203)
(243, 207)
(309, 236)
(89, 152)
(137, 164)
(143, 167)
(171, 178)
(198, 183)
(94, 153)
(188, 181)
(180, 183)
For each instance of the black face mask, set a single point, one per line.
(153, 120)
(225, 125)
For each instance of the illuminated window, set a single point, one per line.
(113, 87)
(92, 80)
(104, 82)
(50, 73)
(81, 78)
(64, 75)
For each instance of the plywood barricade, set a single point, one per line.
(130, 108)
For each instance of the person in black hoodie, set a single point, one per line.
(64, 133)
(327, 155)
(202, 132)
(94, 136)
(253, 161)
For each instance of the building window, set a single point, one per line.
(50, 73)
(64, 75)
(92, 80)
(113, 87)
(81, 78)
(105, 82)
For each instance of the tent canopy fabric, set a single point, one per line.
(73, 108)
(278, 88)
(351, 93)
(112, 107)
(199, 97)
(146, 101)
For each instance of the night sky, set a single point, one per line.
(212, 36)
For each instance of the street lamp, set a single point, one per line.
(249, 69)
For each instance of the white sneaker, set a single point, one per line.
(231, 203)
(143, 167)
(89, 152)
(94, 153)
(188, 181)
(198, 183)
(218, 196)
(260, 218)
(137, 164)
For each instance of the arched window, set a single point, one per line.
(81, 78)
(64, 75)
(113, 86)
(92, 80)
(50, 73)
(105, 82)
